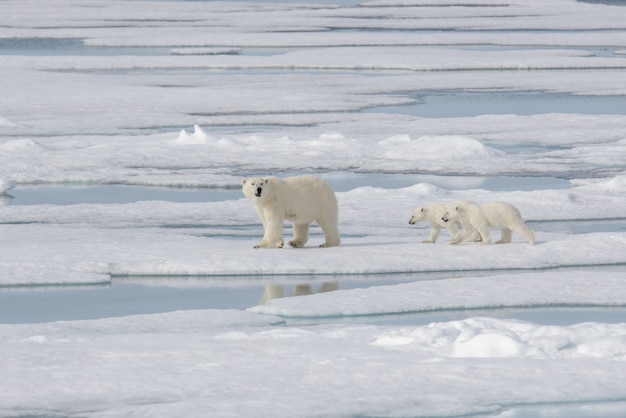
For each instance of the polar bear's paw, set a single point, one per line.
(296, 243)
(264, 244)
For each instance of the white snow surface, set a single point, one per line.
(56, 244)
(197, 95)
(189, 364)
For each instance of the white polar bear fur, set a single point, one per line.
(300, 200)
(494, 215)
(434, 214)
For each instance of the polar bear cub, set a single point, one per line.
(494, 215)
(434, 214)
(300, 200)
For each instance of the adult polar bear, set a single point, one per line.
(495, 215)
(299, 200)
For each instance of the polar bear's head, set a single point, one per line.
(257, 189)
(419, 214)
(452, 213)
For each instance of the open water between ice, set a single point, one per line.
(475, 103)
(149, 295)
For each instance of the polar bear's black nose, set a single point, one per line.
(258, 191)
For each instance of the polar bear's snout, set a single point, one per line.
(256, 189)
(445, 217)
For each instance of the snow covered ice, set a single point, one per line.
(397, 104)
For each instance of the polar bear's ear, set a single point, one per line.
(457, 209)
(243, 182)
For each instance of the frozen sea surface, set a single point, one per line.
(128, 281)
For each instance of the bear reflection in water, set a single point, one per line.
(276, 291)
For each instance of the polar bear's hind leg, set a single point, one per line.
(525, 232)
(331, 233)
(507, 234)
(300, 235)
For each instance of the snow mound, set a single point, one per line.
(615, 185)
(427, 191)
(199, 136)
(332, 136)
(494, 338)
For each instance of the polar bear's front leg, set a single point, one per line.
(273, 234)
(453, 229)
(434, 234)
(455, 240)
(261, 213)
(461, 235)
(485, 237)
(474, 236)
